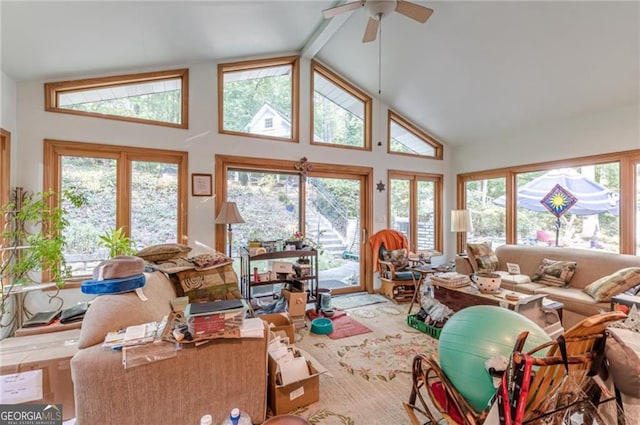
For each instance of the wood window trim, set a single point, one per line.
(294, 61)
(626, 161)
(223, 163)
(5, 175)
(5, 169)
(438, 180)
(351, 89)
(52, 179)
(52, 90)
(413, 129)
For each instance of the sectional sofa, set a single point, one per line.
(209, 379)
(590, 266)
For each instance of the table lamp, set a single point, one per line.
(229, 215)
(461, 223)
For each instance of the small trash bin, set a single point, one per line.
(324, 299)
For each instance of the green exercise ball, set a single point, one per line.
(475, 334)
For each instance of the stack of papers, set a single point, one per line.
(291, 364)
(252, 328)
(135, 335)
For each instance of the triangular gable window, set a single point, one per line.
(407, 139)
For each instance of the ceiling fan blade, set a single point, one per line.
(371, 30)
(331, 12)
(413, 11)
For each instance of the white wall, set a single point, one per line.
(202, 141)
(607, 131)
(23, 114)
(613, 130)
(8, 122)
(8, 118)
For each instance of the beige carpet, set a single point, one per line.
(369, 375)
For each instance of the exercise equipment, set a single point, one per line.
(471, 337)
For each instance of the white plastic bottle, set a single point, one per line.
(236, 417)
(206, 420)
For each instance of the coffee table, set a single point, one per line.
(457, 298)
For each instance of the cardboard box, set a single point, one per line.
(296, 302)
(624, 302)
(281, 324)
(286, 398)
(281, 266)
(49, 353)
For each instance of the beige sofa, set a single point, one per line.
(591, 265)
(210, 379)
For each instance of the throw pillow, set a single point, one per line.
(398, 257)
(624, 363)
(616, 283)
(482, 257)
(210, 260)
(163, 252)
(555, 272)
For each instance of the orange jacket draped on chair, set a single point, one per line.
(391, 239)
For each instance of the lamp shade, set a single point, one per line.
(461, 221)
(229, 214)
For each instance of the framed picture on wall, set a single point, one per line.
(201, 184)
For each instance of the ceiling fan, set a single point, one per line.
(378, 9)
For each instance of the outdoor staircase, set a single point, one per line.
(319, 230)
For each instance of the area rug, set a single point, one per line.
(345, 302)
(368, 375)
(343, 325)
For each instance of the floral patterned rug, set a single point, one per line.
(368, 376)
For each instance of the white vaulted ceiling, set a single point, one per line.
(473, 71)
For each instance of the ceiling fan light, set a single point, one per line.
(379, 8)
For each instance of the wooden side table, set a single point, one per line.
(424, 272)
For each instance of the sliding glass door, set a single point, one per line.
(326, 205)
(333, 210)
(268, 201)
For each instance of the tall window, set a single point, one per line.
(159, 98)
(142, 191)
(260, 98)
(591, 222)
(341, 113)
(488, 218)
(414, 209)
(407, 139)
(594, 206)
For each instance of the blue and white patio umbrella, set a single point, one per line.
(592, 198)
(565, 190)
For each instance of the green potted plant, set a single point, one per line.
(33, 238)
(117, 242)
